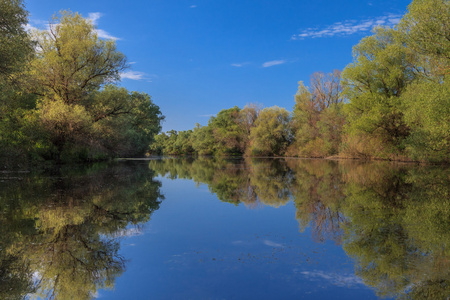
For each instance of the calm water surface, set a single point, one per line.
(226, 229)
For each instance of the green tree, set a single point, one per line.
(228, 134)
(124, 122)
(373, 83)
(15, 50)
(203, 140)
(15, 45)
(271, 134)
(426, 103)
(425, 31)
(79, 112)
(72, 60)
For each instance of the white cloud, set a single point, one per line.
(94, 17)
(28, 27)
(272, 244)
(348, 27)
(347, 280)
(193, 6)
(238, 65)
(104, 35)
(133, 75)
(129, 232)
(273, 63)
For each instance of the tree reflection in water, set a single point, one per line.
(393, 219)
(60, 234)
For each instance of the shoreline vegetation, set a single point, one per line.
(60, 101)
(391, 103)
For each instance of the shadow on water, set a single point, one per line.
(60, 233)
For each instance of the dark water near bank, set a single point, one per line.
(226, 229)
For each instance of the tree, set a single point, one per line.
(203, 140)
(425, 31)
(247, 120)
(72, 61)
(374, 82)
(317, 117)
(426, 103)
(80, 111)
(271, 134)
(15, 45)
(15, 50)
(125, 122)
(227, 132)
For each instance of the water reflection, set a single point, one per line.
(393, 219)
(60, 234)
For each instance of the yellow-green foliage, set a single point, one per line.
(65, 108)
(271, 134)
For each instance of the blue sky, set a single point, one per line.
(196, 57)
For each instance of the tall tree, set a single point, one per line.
(72, 60)
(80, 112)
(426, 103)
(374, 82)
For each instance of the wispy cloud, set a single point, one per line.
(127, 232)
(94, 17)
(335, 279)
(207, 115)
(133, 75)
(193, 6)
(348, 27)
(273, 63)
(36, 24)
(28, 27)
(272, 244)
(104, 35)
(239, 65)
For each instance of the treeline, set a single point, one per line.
(58, 94)
(392, 102)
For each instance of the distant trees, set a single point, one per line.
(271, 134)
(227, 132)
(234, 131)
